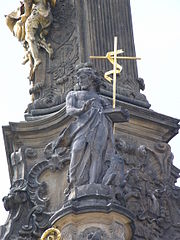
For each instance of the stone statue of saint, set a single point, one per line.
(90, 136)
(30, 24)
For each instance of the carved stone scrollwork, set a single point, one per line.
(16, 202)
(38, 217)
(28, 201)
(36, 190)
(17, 195)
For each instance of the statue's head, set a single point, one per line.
(87, 78)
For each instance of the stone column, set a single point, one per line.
(99, 22)
(82, 28)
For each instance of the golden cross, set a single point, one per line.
(117, 68)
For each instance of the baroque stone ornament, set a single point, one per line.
(16, 202)
(76, 164)
(150, 191)
(28, 200)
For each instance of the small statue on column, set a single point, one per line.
(90, 136)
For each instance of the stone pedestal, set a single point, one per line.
(91, 213)
(97, 225)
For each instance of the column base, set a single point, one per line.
(93, 216)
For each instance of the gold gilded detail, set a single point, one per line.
(117, 68)
(30, 23)
(51, 234)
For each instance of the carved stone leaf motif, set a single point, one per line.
(64, 38)
(50, 98)
(64, 62)
(16, 196)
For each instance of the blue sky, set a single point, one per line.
(157, 41)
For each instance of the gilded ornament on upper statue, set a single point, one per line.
(30, 23)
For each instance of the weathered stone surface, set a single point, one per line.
(138, 182)
(150, 192)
